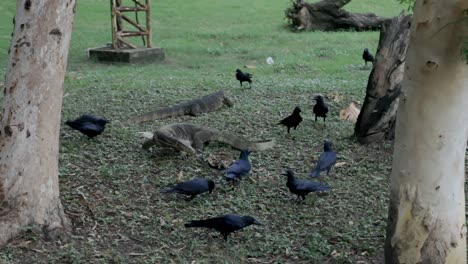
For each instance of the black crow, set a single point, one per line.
(243, 77)
(192, 188)
(320, 107)
(367, 56)
(239, 168)
(225, 224)
(89, 125)
(326, 160)
(292, 120)
(302, 187)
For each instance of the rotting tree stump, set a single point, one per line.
(376, 120)
(328, 15)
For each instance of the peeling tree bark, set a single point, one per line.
(328, 15)
(426, 220)
(376, 120)
(29, 127)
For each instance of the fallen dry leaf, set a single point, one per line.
(350, 113)
(219, 161)
(340, 164)
(136, 254)
(127, 214)
(180, 175)
(335, 253)
(335, 97)
(333, 240)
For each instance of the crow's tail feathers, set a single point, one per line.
(197, 223)
(167, 190)
(71, 124)
(323, 188)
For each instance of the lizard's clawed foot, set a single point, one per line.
(184, 155)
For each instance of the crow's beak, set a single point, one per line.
(257, 223)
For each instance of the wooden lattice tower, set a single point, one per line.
(119, 32)
(121, 49)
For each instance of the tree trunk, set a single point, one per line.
(30, 123)
(376, 120)
(426, 219)
(328, 15)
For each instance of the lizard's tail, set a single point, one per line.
(240, 144)
(262, 145)
(161, 113)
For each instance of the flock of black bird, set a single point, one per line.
(93, 126)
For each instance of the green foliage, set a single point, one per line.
(408, 3)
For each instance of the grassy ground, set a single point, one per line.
(109, 186)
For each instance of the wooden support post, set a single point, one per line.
(114, 25)
(148, 24)
(117, 15)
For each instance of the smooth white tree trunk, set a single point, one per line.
(30, 121)
(426, 222)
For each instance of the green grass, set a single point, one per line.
(205, 41)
